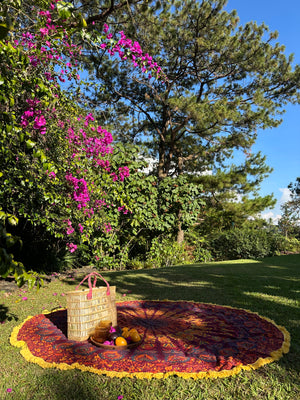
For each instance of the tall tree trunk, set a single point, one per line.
(180, 232)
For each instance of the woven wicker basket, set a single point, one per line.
(87, 307)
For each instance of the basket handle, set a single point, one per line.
(89, 278)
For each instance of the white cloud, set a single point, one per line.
(270, 215)
(286, 195)
(274, 216)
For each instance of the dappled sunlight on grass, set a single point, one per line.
(274, 267)
(277, 299)
(217, 276)
(285, 278)
(272, 287)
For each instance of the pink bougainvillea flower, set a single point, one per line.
(120, 397)
(124, 172)
(70, 231)
(9, 390)
(63, 294)
(107, 228)
(80, 227)
(24, 298)
(108, 343)
(44, 31)
(72, 247)
(106, 28)
(54, 294)
(52, 174)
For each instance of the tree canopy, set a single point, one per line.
(225, 82)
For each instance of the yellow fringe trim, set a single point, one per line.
(274, 356)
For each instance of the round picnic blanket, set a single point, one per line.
(187, 339)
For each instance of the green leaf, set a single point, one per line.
(12, 220)
(82, 21)
(8, 128)
(30, 144)
(64, 9)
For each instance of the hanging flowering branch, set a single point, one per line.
(66, 180)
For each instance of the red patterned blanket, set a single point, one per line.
(180, 338)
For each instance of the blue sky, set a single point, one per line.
(281, 144)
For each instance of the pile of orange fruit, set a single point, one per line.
(122, 337)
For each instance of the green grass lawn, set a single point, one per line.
(270, 287)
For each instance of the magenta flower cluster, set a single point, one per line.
(80, 190)
(93, 147)
(86, 139)
(127, 49)
(35, 115)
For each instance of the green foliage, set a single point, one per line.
(288, 245)
(165, 252)
(225, 82)
(290, 221)
(246, 243)
(41, 160)
(148, 208)
(26, 159)
(136, 263)
(8, 264)
(194, 129)
(201, 253)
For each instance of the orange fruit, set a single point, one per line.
(135, 337)
(120, 341)
(125, 332)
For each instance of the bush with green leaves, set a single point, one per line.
(288, 245)
(165, 252)
(246, 243)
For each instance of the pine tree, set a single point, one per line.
(225, 81)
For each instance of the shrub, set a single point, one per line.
(246, 243)
(201, 254)
(166, 252)
(288, 245)
(135, 263)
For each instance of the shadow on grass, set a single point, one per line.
(273, 281)
(5, 315)
(70, 385)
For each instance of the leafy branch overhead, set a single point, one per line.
(226, 82)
